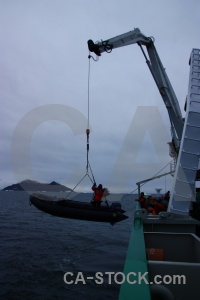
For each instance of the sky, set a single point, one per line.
(44, 91)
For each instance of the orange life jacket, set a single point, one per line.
(98, 193)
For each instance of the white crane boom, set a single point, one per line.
(157, 70)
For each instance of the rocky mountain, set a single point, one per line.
(30, 185)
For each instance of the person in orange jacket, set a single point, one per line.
(98, 194)
(142, 200)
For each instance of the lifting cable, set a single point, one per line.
(88, 119)
(88, 167)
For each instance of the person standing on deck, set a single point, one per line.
(142, 200)
(167, 196)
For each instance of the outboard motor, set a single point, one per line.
(117, 206)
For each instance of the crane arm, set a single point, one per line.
(156, 68)
(132, 37)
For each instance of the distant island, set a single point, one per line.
(30, 185)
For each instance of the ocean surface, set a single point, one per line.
(37, 249)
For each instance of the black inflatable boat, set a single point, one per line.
(78, 210)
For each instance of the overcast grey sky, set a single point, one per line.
(43, 86)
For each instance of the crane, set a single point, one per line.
(185, 131)
(157, 70)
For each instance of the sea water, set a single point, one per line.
(37, 250)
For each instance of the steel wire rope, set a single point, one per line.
(88, 111)
(88, 124)
(88, 167)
